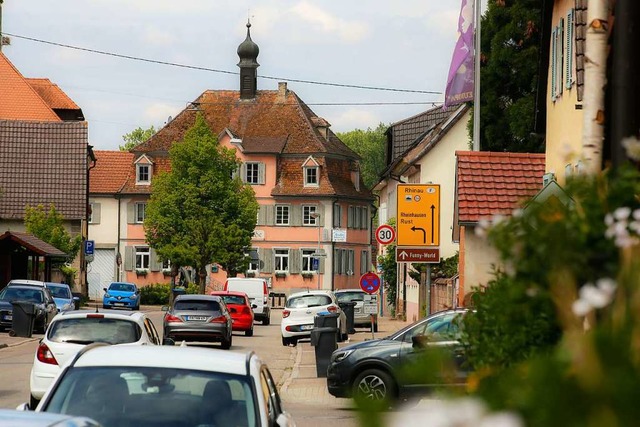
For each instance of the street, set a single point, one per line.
(304, 396)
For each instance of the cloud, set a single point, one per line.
(156, 36)
(353, 119)
(347, 31)
(160, 112)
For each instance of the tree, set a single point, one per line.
(370, 145)
(511, 34)
(135, 137)
(200, 212)
(48, 226)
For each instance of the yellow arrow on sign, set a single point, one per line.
(418, 222)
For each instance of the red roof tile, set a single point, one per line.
(494, 183)
(111, 171)
(19, 101)
(52, 94)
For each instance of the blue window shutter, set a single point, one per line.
(568, 76)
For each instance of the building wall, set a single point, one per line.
(564, 120)
(479, 259)
(105, 233)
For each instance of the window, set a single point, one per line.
(350, 267)
(364, 261)
(142, 257)
(307, 260)
(143, 174)
(337, 216)
(252, 175)
(141, 212)
(364, 220)
(254, 265)
(311, 176)
(166, 264)
(91, 208)
(282, 259)
(282, 214)
(307, 215)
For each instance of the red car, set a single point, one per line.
(240, 310)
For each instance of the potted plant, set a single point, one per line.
(166, 272)
(141, 272)
(307, 275)
(281, 274)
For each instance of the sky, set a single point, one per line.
(399, 44)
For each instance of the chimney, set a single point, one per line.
(282, 92)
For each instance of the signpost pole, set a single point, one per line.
(428, 290)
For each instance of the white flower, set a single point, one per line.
(580, 307)
(632, 145)
(502, 419)
(622, 213)
(517, 213)
(636, 214)
(635, 226)
(626, 241)
(608, 220)
(497, 219)
(595, 297)
(607, 286)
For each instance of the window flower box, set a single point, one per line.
(166, 272)
(281, 274)
(250, 274)
(140, 272)
(307, 275)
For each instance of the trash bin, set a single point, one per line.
(348, 307)
(326, 319)
(77, 297)
(24, 316)
(323, 339)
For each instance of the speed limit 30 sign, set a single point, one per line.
(385, 234)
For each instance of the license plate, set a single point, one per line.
(8, 317)
(118, 304)
(306, 327)
(197, 318)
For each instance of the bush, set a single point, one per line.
(155, 294)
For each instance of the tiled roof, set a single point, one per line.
(407, 132)
(160, 164)
(264, 144)
(52, 94)
(32, 243)
(110, 172)
(43, 163)
(494, 183)
(19, 101)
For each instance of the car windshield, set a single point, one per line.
(198, 305)
(21, 294)
(310, 300)
(234, 299)
(146, 397)
(126, 287)
(350, 296)
(60, 291)
(86, 330)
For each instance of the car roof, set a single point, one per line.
(310, 292)
(26, 282)
(198, 297)
(26, 286)
(198, 358)
(223, 293)
(122, 283)
(54, 284)
(337, 291)
(116, 314)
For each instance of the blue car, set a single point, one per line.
(121, 294)
(62, 296)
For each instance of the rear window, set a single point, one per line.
(122, 287)
(350, 296)
(249, 287)
(22, 294)
(234, 299)
(305, 301)
(60, 292)
(185, 304)
(83, 330)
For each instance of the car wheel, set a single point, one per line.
(249, 333)
(266, 320)
(33, 402)
(373, 386)
(226, 343)
(45, 324)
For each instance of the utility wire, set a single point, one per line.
(213, 70)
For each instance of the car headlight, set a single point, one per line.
(107, 295)
(339, 356)
(133, 297)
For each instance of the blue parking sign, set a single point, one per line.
(315, 264)
(88, 247)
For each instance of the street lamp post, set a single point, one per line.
(316, 216)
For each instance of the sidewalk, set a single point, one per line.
(303, 385)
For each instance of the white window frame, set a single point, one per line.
(166, 264)
(143, 258)
(364, 261)
(307, 260)
(252, 170)
(140, 206)
(90, 219)
(281, 260)
(311, 176)
(285, 209)
(139, 173)
(307, 218)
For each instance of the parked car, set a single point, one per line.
(258, 292)
(121, 294)
(39, 295)
(62, 296)
(360, 318)
(147, 386)
(70, 331)
(13, 418)
(240, 308)
(372, 369)
(299, 312)
(199, 318)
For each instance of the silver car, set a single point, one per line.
(360, 318)
(198, 318)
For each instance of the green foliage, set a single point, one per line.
(69, 275)
(446, 268)
(390, 271)
(136, 137)
(198, 212)
(511, 36)
(48, 226)
(370, 145)
(155, 294)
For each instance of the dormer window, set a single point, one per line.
(311, 176)
(143, 174)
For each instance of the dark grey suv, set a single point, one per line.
(389, 368)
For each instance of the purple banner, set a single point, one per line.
(460, 79)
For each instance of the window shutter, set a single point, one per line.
(352, 262)
(554, 58)
(336, 215)
(295, 261)
(154, 265)
(266, 256)
(365, 217)
(321, 212)
(131, 213)
(350, 217)
(336, 261)
(129, 258)
(262, 214)
(321, 263)
(568, 77)
(243, 172)
(261, 173)
(295, 215)
(95, 213)
(560, 65)
(270, 212)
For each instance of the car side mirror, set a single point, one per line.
(254, 305)
(104, 289)
(168, 341)
(23, 407)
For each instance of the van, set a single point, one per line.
(258, 293)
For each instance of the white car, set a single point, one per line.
(150, 386)
(70, 331)
(299, 313)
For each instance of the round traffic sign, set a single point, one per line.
(385, 234)
(370, 282)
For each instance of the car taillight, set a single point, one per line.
(169, 318)
(219, 319)
(45, 355)
(332, 309)
(226, 285)
(246, 310)
(285, 313)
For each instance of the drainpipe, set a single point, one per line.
(83, 262)
(118, 254)
(333, 245)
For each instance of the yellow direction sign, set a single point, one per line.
(418, 222)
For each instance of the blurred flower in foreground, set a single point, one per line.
(620, 229)
(632, 145)
(593, 297)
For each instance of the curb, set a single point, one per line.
(293, 374)
(3, 345)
